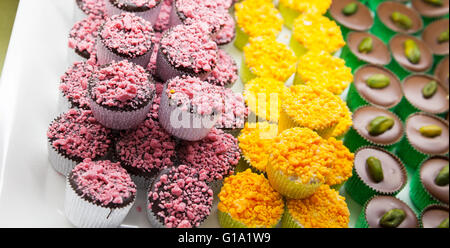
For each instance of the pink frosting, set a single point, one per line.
(234, 112)
(84, 33)
(74, 83)
(190, 93)
(190, 47)
(214, 157)
(193, 11)
(93, 7)
(127, 34)
(180, 199)
(104, 182)
(227, 32)
(138, 3)
(226, 71)
(164, 16)
(148, 147)
(77, 134)
(121, 85)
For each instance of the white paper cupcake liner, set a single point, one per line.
(191, 127)
(59, 162)
(106, 56)
(82, 213)
(150, 15)
(142, 183)
(119, 120)
(174, 19)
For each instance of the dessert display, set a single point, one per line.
(375, 172)
(154, 106)
(429, 184)
(374, 85)
(425, 135)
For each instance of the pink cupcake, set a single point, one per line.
(73, 86)
(225, 73)
(186, 50)
(83, 36)
(164, 16)
(145, 151)
(125, 36)
(178, 199)
(75, 136)
(147, 9)
(98, 194)
(214, 157)
(190, 107)
(234, 114)
(92, 7)
(227, 33)
(121, 94)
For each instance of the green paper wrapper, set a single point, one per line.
(410, 156)
(245, 163)
(373, 4)
(398, 70)
(354, 99)
(351, 60)
(353, 141)
(241, 38)
(361, 192)
(427, 20)
(288, 221)
(298, 48)
(288, 15)
(432, 206)
(246, 74)
(226, 221)
(419, 195)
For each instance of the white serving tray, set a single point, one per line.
(31, 192)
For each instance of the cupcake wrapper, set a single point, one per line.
(288, 15)
(150, 15)
(106, 56)
(241, 38)
(59, 162)
(174, 19)
(298, 48)
(361, 222)
(192, 127)
(360, 192)
(431, 206)
(288, 221)
(354, 99)
(351, 60)
(379, 29)
(117, 119)
(338, 187)
(398, 70)
(242, 166)
(289, 188)
(419, 196)
(82, 213)
(245, 72)
(373, 4)
(226, 221)
(429, 20)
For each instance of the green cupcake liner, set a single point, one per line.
(404, 109)
(360, 192)
(226, 221)
(288, 221)
(337, 187)
(353, 141)
(246, 74)
(398, 70)
(436, 60)
(351, 60)
(298, 48)
(245, 164)
(373, 4)
(380, 30)
(432, 206)
(288, 15)
(361, 222)
(241, 39)
(354, 99)
(427, 20)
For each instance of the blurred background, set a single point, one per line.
(8, 10)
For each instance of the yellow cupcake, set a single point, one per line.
(268, 58)
(319, 68)
(256, 18)
(324, 209)
(299, 163)
(247, 200)
(290, 9)
(315, 32)
(311, 107)
(341, 168)
(255, 142)
(344, 123)
(263, 97)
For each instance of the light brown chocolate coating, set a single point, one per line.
(385, 98)
(394, 173)
(385, 10)
(428, 172)
(380, 205)
(429, 10)
(431, 34)
(431, 146)
(433, 216)
(379, 55)
(364, 115)
(442, 72)
(362, 20)
(412, 89)
(397, 48)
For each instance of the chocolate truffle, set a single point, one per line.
(380, 205)
(385, 10)
(428, 172)
(387, 97)
(429, 10)
(431, 146)
(431, 36)
(412, 89)
(397, 47)
(433, 216)
(379, 55)
(361, 20)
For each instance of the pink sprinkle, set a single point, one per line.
(74, 84)
(93, 7)
(84, 34)
(226, 71)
